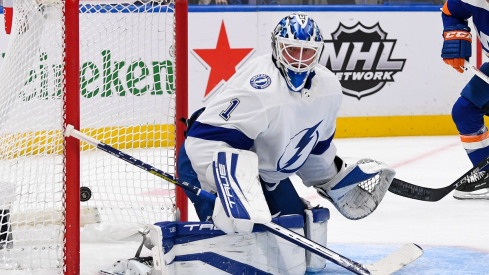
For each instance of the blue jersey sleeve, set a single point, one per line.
(455, 12)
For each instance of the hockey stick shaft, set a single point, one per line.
(315, 248)
(289, 235)
(477, 72)
(70, 131)
(416, 192)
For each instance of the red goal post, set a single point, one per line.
(116, 70)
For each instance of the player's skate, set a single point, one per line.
(476, 188)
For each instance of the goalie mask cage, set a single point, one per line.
(117, 71)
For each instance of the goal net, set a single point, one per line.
(127, 98)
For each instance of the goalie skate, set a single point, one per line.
(477, 188)
(134, 266)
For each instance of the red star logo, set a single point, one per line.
(222, 60)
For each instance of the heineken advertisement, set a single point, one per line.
(381, 65)
(109, 78)
(127, 74)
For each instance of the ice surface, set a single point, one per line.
(453, 233)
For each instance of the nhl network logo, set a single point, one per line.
(360, 57)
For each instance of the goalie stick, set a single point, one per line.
(408, 190)
(393, 262)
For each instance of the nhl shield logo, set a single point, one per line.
(360, 56)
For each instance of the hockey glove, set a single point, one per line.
(457, 46)
(241, 202)
(358, 189)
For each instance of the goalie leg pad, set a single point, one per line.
(316, 229)
(186, 247)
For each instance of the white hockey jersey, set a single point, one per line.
(289, 131)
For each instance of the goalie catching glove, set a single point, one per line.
(357, 190)
(241, 202)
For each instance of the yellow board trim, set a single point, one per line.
(50, 142)
(157, 136)
(145, 136)
(392, 126)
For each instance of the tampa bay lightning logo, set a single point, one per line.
(298, 150)
(260, 81)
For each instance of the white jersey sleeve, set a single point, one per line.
(320, 168)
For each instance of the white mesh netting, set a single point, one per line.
(127, 101)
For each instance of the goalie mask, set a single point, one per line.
(297, 45)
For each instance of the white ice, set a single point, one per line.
(453, 233)
(427, 161)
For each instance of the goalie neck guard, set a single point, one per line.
(297, 45)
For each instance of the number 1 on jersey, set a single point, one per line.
(226, 114)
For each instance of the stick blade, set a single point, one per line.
(398, 259)
(411, 191)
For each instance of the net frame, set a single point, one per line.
(71, 82)
(72, 236)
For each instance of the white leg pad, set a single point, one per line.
(201, 248)
(316, 229)
(163, 255)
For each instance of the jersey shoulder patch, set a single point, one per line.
(260, 81)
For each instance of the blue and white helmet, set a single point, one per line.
(297, 45)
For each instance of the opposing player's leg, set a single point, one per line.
(468, 115)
